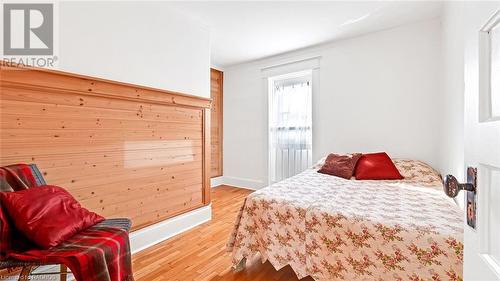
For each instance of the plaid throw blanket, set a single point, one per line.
(16, 177)
(100, 253)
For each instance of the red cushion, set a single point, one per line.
(376, 166)
(47, 215)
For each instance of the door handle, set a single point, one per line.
(452, 186)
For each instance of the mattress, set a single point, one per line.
(330, 228)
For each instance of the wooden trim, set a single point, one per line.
(206, 156)
(216, 93)
(122, 150)
(64, 272)
(25, 273)
(221, 124)
(52, 80)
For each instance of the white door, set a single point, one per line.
(482, 136)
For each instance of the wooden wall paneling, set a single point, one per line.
(216, 93)
(122, 150)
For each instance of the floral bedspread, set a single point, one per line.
(336, 229)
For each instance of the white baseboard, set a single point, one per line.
(156, 233)
(237, 182)
(214, 182)
(241, 183)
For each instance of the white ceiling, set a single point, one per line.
(245, 31)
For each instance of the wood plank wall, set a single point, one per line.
(122, 150)
(216, 83)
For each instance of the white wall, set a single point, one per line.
(144, 43)
(452, 99)
(377, 92)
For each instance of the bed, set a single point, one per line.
(330, 228)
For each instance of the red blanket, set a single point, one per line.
(100, 253)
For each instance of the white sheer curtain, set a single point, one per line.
(290, 125)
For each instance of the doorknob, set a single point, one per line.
(452, 186)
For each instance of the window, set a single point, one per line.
(290, 124)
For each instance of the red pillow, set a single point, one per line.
(376, 166)
(5, 235)
(47, 215)
(11, 240)
(340, 165)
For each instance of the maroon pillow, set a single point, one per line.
(47, 215)
(340, 165)
(376, 166)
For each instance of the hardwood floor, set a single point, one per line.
(199, 254)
